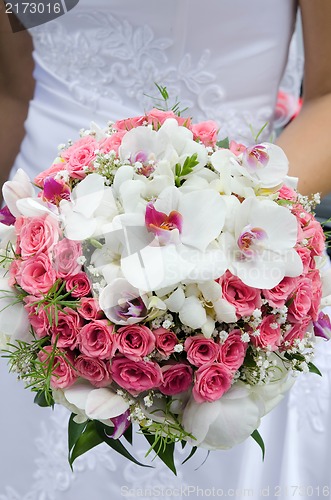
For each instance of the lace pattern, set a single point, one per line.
(121, 62)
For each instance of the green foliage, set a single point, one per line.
(258, 438)
(162, 103)
(185, 169)
(224, 143)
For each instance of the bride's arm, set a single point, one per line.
(16, 90)
(307, 140)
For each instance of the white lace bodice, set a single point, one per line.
(107, 55)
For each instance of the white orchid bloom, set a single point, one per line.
(18, 188)
(92, 206)
(14, 321)
(261, 249)
(97, 404)
(266, 164)
(172, 240)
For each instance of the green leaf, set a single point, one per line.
(87, 440)
(128, 434)
(258, 438)
(194, 449)
(74, 431)
(41, 400)
(313, 369)
(115, 444)
(224, 143)
(164, 452)
(189, 164)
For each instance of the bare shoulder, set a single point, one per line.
(316, 21)
(16, 62)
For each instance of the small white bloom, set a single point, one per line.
(178, 348)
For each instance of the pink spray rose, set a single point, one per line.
(297, 331)
(278, 295)
(200, 350)
(135, 341)
(270, 333)
(316, 286)
(177, 378)
(206, 131)
(97, 340)
(37, 235)
(38, 316)
(79, 156)
(36, 275)
(50, 172)
(233, 351)
(65, 331)
(301, 300)
(211, 382)
(89, 308)
(94, 370)
(112, 143)
(165, 341)
(63, 373)
(136, 376)
(65, 255)
(243, 297)
(78, 285)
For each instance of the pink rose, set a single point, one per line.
(200, 350)
(244, 298)
(14, 270)
(211, 382)
(65, 331)
(237, 148)
(38, 316)
(97, 339)
(37, 235)
(36, 275)
(89, 308)
(317, 240)
(270, 333)
(176, 378)
(297, 331)
(79, 156)
(156, 118)
(135, 341)
(287, 193)
(129, 123)
(206, 131)
(50, 172)
(136, 376)
(63, 373)
(316, 286)
(306, 257)
(78, 285)
(233, 350)
(165, 341)
(278, 295)
(65, 255)
(301, 300)
(94, 370)
(112, 143)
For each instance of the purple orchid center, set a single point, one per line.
(255, 157)
(121, 423)
(322, 327)
(162, 224)
(6, 217)
(144, 167)
(130, 307)
(55, 191)
(250, 240)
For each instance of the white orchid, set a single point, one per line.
(18, 188)
(172, 240)
(97, 404)
(261, 247)
(92, 205)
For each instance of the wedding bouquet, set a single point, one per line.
(157, 278)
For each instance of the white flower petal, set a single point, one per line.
(193, 313)
(104, 403)
(19, 187)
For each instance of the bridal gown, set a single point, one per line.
(224, 59)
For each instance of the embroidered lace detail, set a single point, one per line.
(53, 476)
(117, 61)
